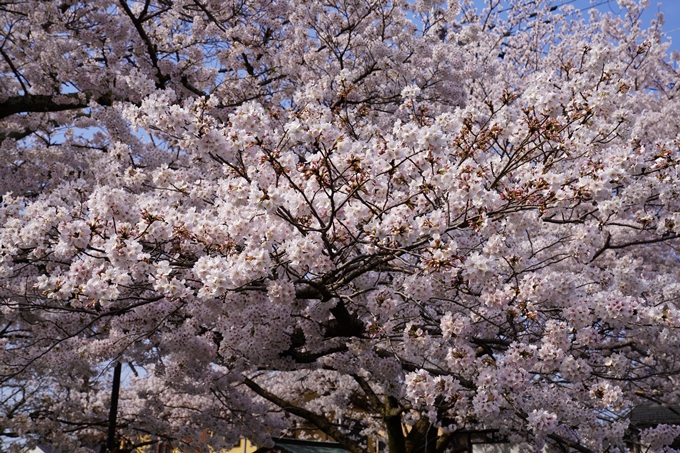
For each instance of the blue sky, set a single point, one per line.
(670, 9)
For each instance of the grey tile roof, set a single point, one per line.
(653, 414)
(306, 446)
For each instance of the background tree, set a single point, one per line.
(389, 219)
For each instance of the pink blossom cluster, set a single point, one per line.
(397, 220)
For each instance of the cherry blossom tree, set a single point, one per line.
(386, 219)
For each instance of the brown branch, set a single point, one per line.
(493, 341)
(657, 401)
(626, 344)
(189, 86)
(15, 135)
(609, 246)
(14, 69)
(575, 445)
(395, 433)
(150, 47)
(581, 219)
(443, 441)
(373, 399)
(408, 366)
(645, 241)
(345, 324)
(422, 437)
(46, 103)
(317, 420)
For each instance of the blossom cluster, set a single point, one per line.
(392, 219)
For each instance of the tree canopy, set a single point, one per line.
(401, 220)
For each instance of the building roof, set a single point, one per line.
(654, 414)
(286, 445)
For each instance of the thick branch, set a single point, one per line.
(15, 135)
(14, 69)
(46, 103)
(443, 442)
(422, 437)
(408, 366)
(317, 420)
(395, 434)
(373, 399)
(150, 47)
(609, 246)
(657, 401)
(575, 445)
(346, 324)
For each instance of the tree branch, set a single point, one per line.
(150, 47)
(571, 444)
(395, 433)
(317, 420)
(46, 103)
